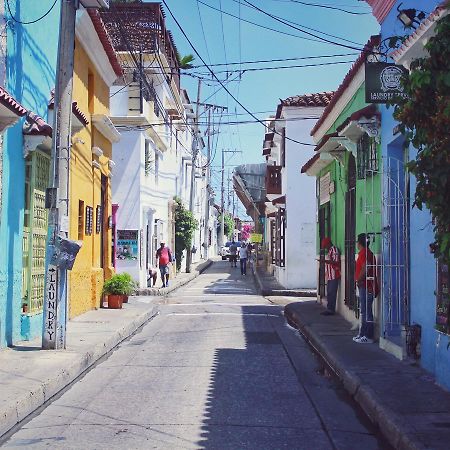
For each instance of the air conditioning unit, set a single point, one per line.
(95, 3)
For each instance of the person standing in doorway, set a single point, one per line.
(332, 274)
(243, 258)
(233, 254)
(163, 258)
(366, 280)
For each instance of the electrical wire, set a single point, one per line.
(31, 21)
(259, 25)
(284, 22)
(306, 27)
(318, 5)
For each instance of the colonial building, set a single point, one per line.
(96, 68)
(347, 169)
(292, 217)
(153, 160)
(27, 72)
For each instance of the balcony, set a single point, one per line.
(273, 182)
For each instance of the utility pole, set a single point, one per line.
(57, 197)
(194, 160)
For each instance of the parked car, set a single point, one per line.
(225, 250)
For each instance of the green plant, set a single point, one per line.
(119, 284)
(185, 225)
(425, 122)
(228, 225)
(185, 61)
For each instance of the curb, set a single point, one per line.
(397, 433)
(281, 292)
(199, 269)
(11, 415)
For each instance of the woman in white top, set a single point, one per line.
(243, 259)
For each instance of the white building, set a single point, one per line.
(291, 207)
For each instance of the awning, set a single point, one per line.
(10, 110)
(279, 200)
(266, 151)
(318, 162)
(366, 120)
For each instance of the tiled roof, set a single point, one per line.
(81, 116)
(12, 104)
(373, 42)
(319, 99)
(368, 112)
(36, 125)
(381, 8)
(105, 39)
(310, 162)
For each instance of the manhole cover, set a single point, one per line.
(263, 338)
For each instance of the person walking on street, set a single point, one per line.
(366, 280)
(243, 259)
(233, 254)
(163, 258)
(332, 274)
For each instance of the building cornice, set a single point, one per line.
(92, 45)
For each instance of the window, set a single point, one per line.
(98, 219)
(283, 147)
(148, 159)
(366, 152)
(89, 220)
(156, 167)
(80, 220)
(91, 90)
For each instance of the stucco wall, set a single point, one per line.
(30, 73)
(87, 276)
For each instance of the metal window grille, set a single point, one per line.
(280, 246)
(366, 152)
(89, 220)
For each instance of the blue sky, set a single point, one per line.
(240, 41)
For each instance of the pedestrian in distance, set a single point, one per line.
(164, 258)
(367, 283)
(233, 254)
(332, 274)
(243, 253)
(152, 276)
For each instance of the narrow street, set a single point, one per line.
(217, 369)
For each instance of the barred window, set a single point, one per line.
(367, 162)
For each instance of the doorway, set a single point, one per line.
(350, 236)
(324, 231)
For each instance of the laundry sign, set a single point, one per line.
(383, 82)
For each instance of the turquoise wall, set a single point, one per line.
(30, 68)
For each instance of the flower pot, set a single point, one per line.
(115, 301)
(125, 299)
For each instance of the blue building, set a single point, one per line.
(410, 271)
(30, 53)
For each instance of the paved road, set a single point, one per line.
(217, 369)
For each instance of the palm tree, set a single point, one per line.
(185, 61)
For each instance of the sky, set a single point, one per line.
(220, 39)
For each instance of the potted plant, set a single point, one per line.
(117, 289)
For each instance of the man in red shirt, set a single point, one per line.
(332, 274)
(366, 280)
(163, 258)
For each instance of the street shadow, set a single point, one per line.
(251, 402)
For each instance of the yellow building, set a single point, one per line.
(95, 69)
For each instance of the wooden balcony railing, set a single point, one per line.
(273, 180)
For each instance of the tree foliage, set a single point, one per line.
(185, 61)
(185, 225)
(425, 122)
(228, 225)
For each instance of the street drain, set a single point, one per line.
(262, 338)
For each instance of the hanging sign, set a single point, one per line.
(383, 82)
(50, 312)
(256, 238)
(65, 253)
(127, 244)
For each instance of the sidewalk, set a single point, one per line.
(398, 396)
(30, 376)
(268, 285)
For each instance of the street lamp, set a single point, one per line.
(408, 17)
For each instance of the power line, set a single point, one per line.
(259, 25)
(306, 27)
(214, 75)
(31, 21)
(280, 20)
(296, 66)
(317, 5)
